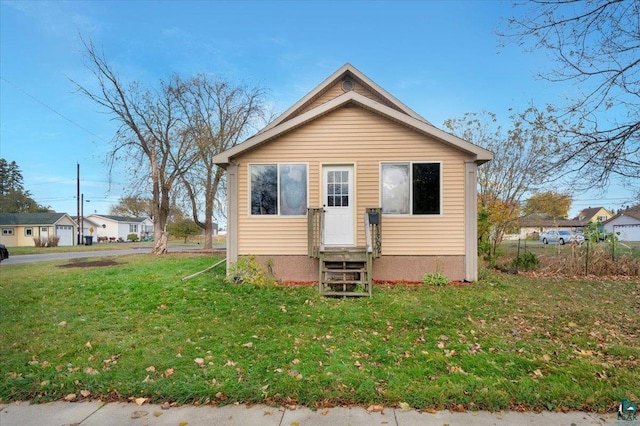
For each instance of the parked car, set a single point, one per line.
(561, 236)
(4, 253)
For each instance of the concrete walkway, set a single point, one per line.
(122, 414)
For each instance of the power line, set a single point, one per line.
(52, 109)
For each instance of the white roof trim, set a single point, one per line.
(482, 155)
(333, 78)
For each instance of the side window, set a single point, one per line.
(278, 189)
(410, 188)
(264, 189)
(28, 232)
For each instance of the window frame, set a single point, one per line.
(410, 164)
(278, 188)
(28, 232)
(8, 232)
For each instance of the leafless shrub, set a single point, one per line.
(590, 260)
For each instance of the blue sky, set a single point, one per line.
(440, 58)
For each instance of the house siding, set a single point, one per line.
(336, 90)
(353, 135)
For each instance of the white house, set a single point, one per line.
(626, 223)
(117, 228)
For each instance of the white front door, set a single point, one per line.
(44, 232)
(338, 203)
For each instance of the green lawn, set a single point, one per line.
(136, 330)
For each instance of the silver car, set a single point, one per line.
(561, 236)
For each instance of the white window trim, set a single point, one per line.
(28, 229)
(10, 232)
(277, 164)
(410, 164)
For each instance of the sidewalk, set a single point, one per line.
(122, 414)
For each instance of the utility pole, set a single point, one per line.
(78, 200)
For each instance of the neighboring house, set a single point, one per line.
(531, 226)
(299, 189)
(627, 223)
(118, 228)
(19, 229)
(594, 215)
(89, 227)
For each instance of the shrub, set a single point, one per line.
(527, 261)
(435, 279)
(132, 237)
(46, 242)
(247, 270)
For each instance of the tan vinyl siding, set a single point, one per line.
(359, 137)
(336, 90)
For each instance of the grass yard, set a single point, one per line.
(135, 330)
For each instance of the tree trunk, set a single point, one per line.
(161, 244)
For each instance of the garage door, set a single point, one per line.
(65, 232)
(628, 232)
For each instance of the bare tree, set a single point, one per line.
(132, 205)
(514, 170)
(149, 138)
(218, 115)
(596, 46)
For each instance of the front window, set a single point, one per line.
(278, 189)
(28, 232)
(7, 231)
(410, 188)
(133, 228)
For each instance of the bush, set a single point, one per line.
(435, 279)
(53, 241)
(132, 237)
(527, 262)
(247, 270)
(46, 242)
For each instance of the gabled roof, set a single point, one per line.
(30, 218)
(353, 98)
(347, 71)
(633, 212)
(590, 212)
(119, 218)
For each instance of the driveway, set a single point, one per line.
(30, 258)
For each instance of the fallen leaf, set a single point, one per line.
(139, 414)
(140, 401)
(375, 408)
(404, 406)
(199, 362)
(150, 369)
(91, 371)
(295, 361)
(85, 393)
(157, 413)
(230, 363)
(221, 396)
(248, 345)
(546, 357)
(62, 323)
(70, 397)
(165, 405)
(168, 372)
(88, 345)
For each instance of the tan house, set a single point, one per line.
(594, 215)
(20, 229)
(348, 186)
